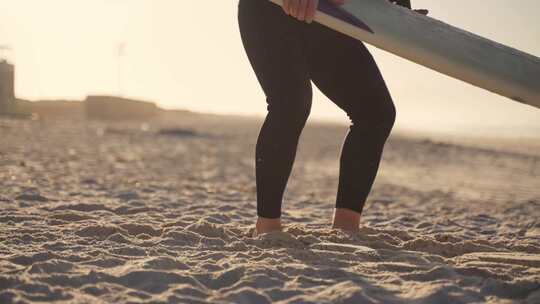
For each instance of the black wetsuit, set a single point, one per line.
(287, 55)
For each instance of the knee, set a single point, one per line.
(388, 119)
(291, 112)
(380, 120)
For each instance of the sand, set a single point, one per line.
(163, 212)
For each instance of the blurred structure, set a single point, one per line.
(51, 109)
(117, 108)
(7, 87)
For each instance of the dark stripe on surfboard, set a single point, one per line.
(341, 14)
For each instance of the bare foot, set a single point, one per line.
(265, 225)
(346, 219)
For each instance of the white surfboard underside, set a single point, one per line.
(443, 48)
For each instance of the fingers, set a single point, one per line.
(293, 8)
(303, 10)
(286, 6)
(311, 10)
(302, 7)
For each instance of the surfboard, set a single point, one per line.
(434, 44)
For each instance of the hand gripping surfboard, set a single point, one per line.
(437, 45)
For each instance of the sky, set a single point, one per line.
(188, 55)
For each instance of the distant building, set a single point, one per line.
(117, 108)
(7, 87)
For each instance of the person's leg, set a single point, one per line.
(346, 73)
(272, 45)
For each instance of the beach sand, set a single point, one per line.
(163, 212)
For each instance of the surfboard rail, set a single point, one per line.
(439, 46)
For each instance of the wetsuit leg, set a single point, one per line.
(271, 40)
(344, 70)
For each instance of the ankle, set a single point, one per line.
(346, 219)
(265, 225)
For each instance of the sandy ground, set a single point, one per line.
(129, 213)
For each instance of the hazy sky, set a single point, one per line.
(188, 54)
